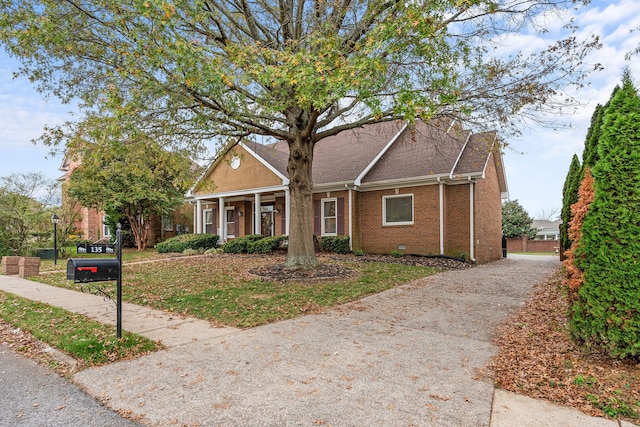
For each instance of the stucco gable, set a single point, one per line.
(226, 176)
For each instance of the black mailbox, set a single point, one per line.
(92, 269)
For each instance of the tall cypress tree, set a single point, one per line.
(569, 197)
(607, 314)
(590, 152)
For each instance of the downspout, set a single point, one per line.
(472, 255)
(441, 213)
(350, 192)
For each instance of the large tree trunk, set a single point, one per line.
(301, 251)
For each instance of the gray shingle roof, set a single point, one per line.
(424, 150)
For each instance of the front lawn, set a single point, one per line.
(88, 341)
(220, 289)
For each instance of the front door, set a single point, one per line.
(267, 220)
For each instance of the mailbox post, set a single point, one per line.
(119, 282)
(101, 270)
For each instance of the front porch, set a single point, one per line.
(242, 213)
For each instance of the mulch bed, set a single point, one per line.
(325, 271)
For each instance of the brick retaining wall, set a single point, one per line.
(10, 265)
(28, 266)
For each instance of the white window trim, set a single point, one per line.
(226, 222)
(322, 216)
(106, 231)
(167, 220)
(384, 210)
(204, 221)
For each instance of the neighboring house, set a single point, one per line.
(91, 222)
(546, 230)
(431, 189)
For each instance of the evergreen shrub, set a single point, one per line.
(606, 316)
(188, 241)
(335, 244)
(239, 244)
(266, 245)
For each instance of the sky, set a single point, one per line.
(536, 162)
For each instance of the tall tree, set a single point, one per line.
(297, 70)
(26, 200)
(605, 317)
(575, 176)
(574, 275)
(569, 197)
(135, 178)
(516, 222)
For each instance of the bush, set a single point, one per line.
(336, 244)
(239, 244)
(396, 254)
(199, 242)
(266, 245)
(358, 252)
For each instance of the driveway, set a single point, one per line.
(410, 356)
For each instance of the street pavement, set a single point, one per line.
(32, 395)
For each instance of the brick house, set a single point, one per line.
(432, 188)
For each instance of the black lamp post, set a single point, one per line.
(54, 220)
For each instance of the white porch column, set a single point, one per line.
(287, 207)
(222, 216)
(257, 219)
(197, 227)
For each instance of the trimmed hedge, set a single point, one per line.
(188, 241)
(239, 244)
(336, 244)
(266, 245)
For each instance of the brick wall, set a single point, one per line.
(28, 266)
(422, 237)
(488, 216)
(10, 265)
(523, 244)
(456, 219)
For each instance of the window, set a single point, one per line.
(167, 222)
(329, 217)
(397, 210)
(229, 222)
(106, 232)
(208, 221)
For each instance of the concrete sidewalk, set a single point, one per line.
(413, 355)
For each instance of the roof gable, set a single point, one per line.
(253, 171)
(422, 150)
(343, 157)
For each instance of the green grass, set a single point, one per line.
(86, 340)
(217, 288)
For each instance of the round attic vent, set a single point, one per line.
(235, 162)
